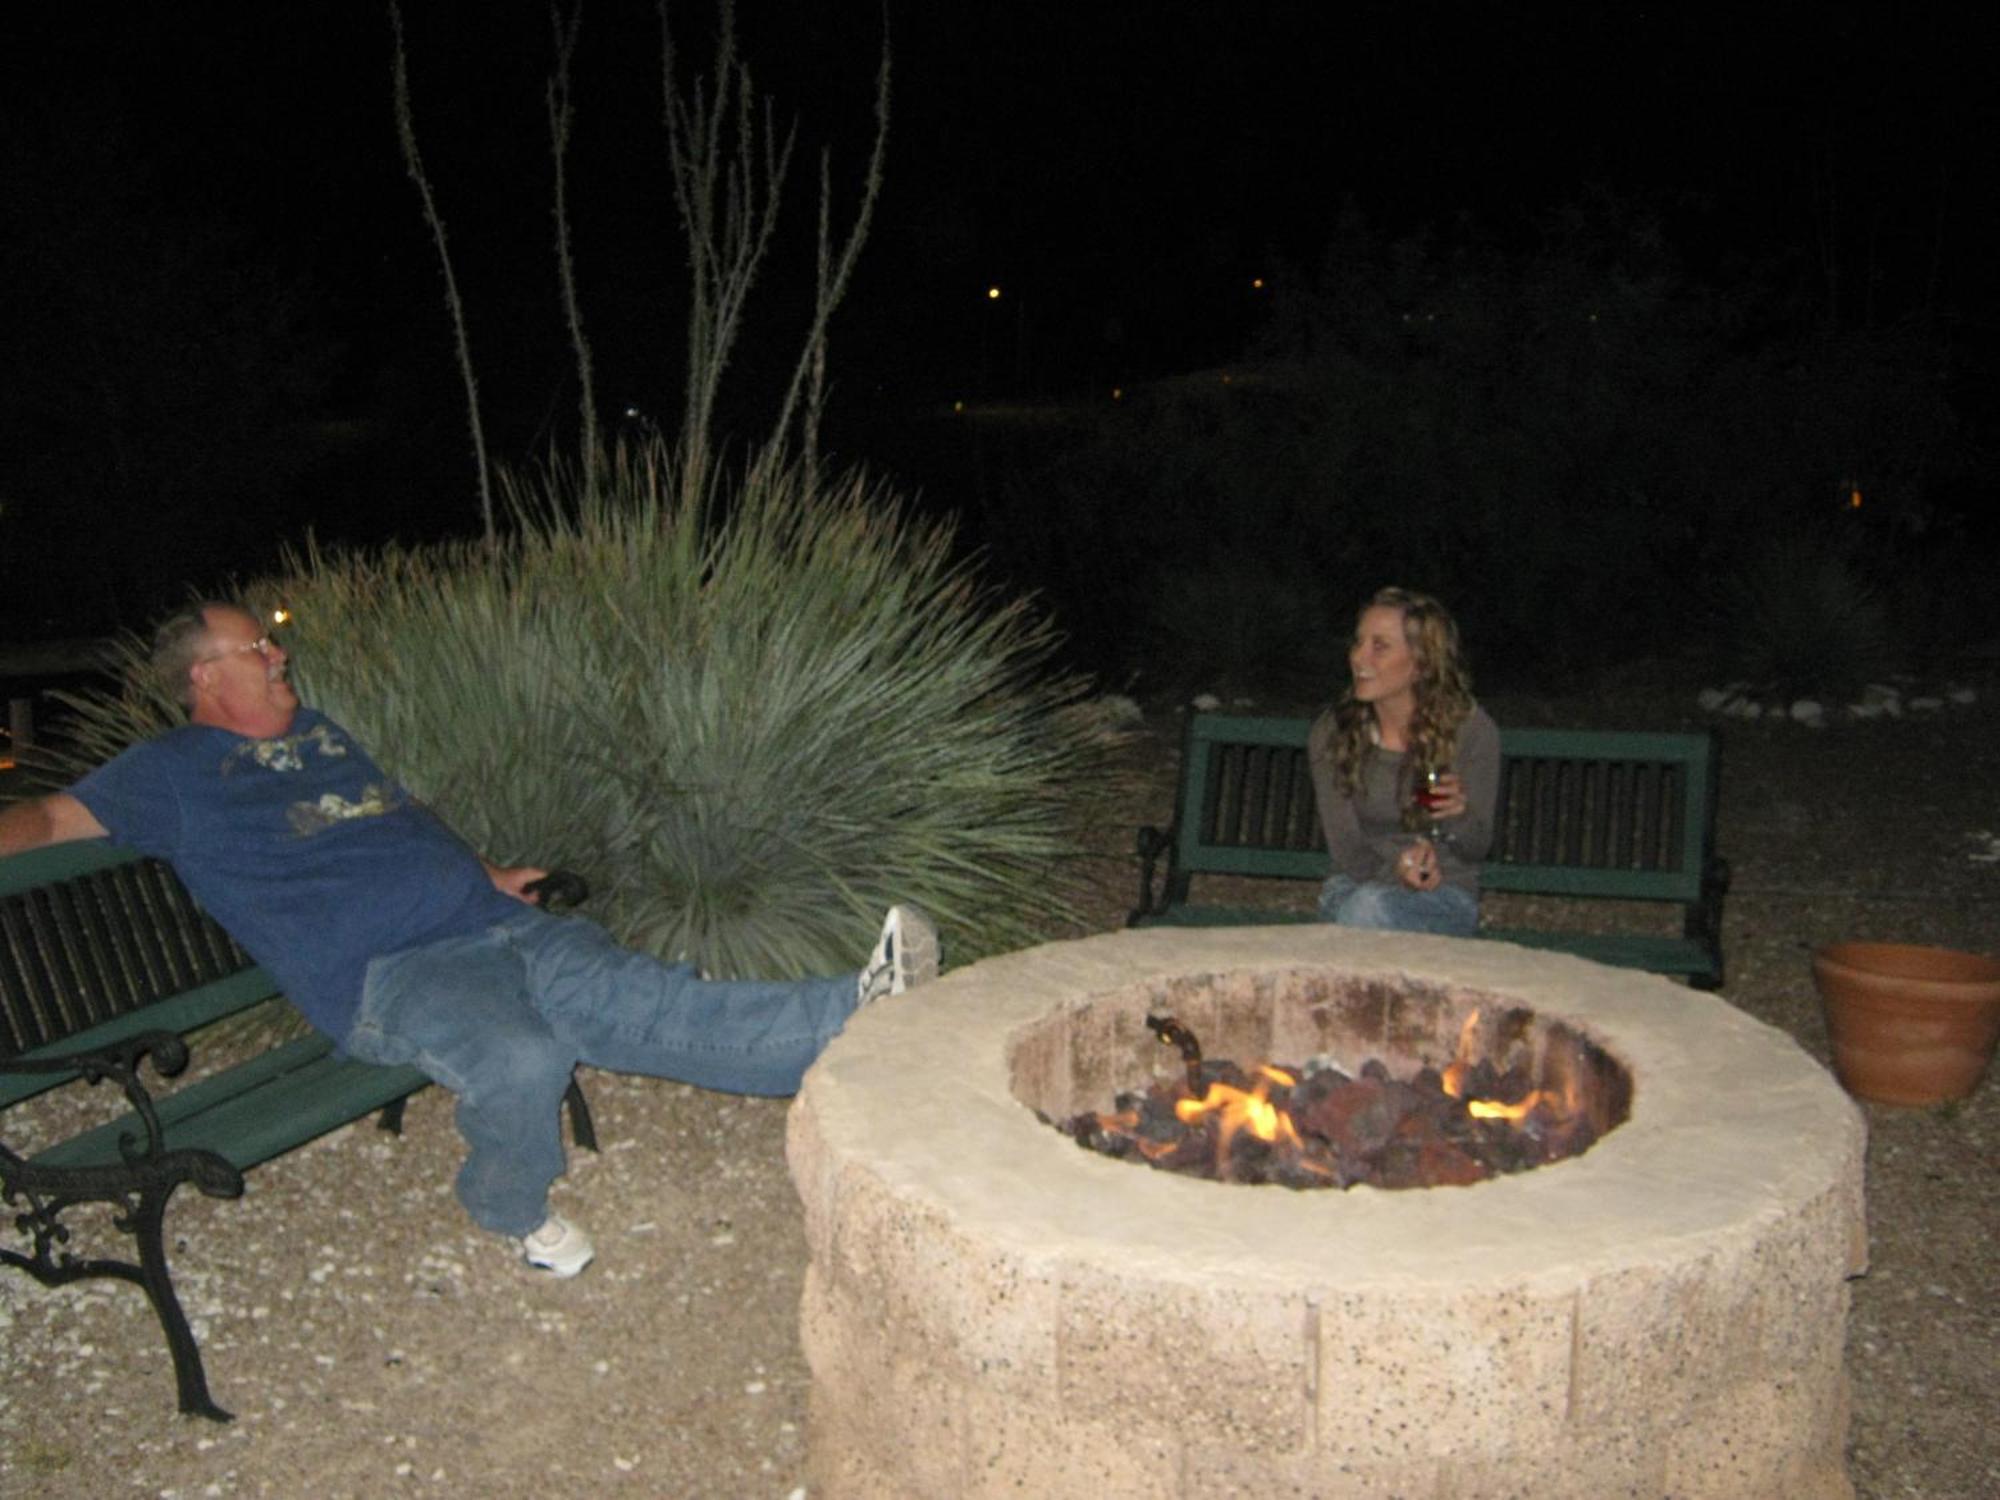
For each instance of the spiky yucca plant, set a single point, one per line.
(1800, 621)
(752, 728)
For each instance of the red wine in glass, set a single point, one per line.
(1428, 797)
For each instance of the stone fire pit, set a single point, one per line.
(991, 1310)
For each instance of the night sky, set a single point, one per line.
(1122, 170)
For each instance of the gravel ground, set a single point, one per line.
(371, 1342)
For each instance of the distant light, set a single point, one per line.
(1225, 379)
(958, 406)
(1854, 498)
(281, 616)
(1118, 393)
(1257, 283)
(993, 294)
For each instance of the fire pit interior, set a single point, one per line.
(1507, 1092)
(990, 1310)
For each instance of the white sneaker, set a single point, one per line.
(905, 955)
(558, 1247)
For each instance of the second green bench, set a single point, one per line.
(1590, 814)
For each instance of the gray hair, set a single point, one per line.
(178, 643)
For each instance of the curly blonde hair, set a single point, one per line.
(1442, 689)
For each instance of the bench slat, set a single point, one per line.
(259, 1109)
(181, 1014)
(1657, 954)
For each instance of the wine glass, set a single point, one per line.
(1427, 798)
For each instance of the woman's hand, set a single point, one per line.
(1417, 866)
(1447, 796)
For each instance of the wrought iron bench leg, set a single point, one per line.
(148, 1226)
(582, 1129)
(137, 1196)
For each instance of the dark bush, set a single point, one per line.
(1573, 443)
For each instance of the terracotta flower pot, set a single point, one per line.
(1909, 1025)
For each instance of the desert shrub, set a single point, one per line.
(753, 728)
(1800, 620)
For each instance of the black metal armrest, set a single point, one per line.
(1703, 919)
(119, 1061)
(170, 1055)
(1151, 843)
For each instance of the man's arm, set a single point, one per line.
(58, 819)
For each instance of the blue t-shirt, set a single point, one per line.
(315, 861)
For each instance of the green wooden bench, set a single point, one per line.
(105, 962)
(1591, 814)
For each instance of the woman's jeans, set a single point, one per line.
(503, 1016)
(1372, 903)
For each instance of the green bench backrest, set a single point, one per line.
(1581, 812)
(92, 938)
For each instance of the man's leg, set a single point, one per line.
(460, 1011)
(633, 1013)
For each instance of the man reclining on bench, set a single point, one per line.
(400, 943)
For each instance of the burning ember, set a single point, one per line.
(1317, 1126)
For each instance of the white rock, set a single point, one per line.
(1926, 705)
(1806, 711)
(1962, 695)
(1712, 699)
(1116, 708)
(1864, 710)
(1207, 703)
(1881, 692)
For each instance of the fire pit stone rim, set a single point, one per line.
(944, 1052)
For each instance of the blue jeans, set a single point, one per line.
(502, 1017)
(1449, 909)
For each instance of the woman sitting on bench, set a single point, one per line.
(1406, 770)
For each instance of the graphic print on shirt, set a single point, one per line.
(310, 817)
(288, 753)
(291, 754)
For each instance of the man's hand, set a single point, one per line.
(59, 819)
(514, 880)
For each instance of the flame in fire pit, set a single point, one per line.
(1236, 1111)
(1564, 1104)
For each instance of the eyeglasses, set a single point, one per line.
(263, 646)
